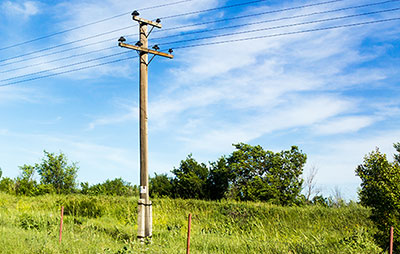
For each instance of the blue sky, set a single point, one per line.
(333, 93)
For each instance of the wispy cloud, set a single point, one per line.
(26, 8)
(97, 161)
(344, 125)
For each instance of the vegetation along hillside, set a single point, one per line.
(247, 202)
(106, 224)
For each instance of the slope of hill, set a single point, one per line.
(108, 225)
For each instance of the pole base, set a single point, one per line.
(145, 220)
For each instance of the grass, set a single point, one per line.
(108, 225)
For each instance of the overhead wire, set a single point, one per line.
(58, 59)
(167, 17)
(120, 29)
(191, 25)
(215, 9)
(65, 44)
(60, 51)
(217, 43)
(279, 19)
(188, 33)
(208, 37)
(281, 26)
(288, 33)
(68, 71)
(89, 24)
(66, 66)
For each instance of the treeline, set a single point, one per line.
(57, 176)
(249, 173)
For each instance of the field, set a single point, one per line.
(108, 225)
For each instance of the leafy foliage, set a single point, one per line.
(7, 185)
(219, 179)
(380, 190)
(55, 170)
(116, 187)
(250, 173)
(190, 179)
(265, 175)
(25, 184)
(160, 186)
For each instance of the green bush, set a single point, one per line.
(83, 206)
(116, 187)
(7, 185)
(380, 190)
(37, 222)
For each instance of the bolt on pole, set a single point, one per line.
(144, 203)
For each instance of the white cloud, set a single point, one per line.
(18, 94)
(27, 8)
(344, 125)
(97, 162)
(338, 158)
(299, 113)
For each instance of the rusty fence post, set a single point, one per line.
(391, 241)
(188, 235)
(61, 223)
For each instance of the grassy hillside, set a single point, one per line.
(108, 225)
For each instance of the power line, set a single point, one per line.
(61, 51)
(281, 26)
(209, 37)
(58, 59)
(188, 33)
(64, 44)
(68, 71)
(116, 30)
(217, 43)
(280, 19)
(65, 66)
(212, 9)
(89, 24)
(289, 33)
(180, 15)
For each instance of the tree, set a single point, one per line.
(219, 179)
(1, 173)
(160, 186)
(116, 187)
(310, 184)
(7, 185)
(56, 171)
(25, 184)
(264, 175)
(380, 190)
(190, 179)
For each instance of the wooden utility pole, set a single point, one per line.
(144, 203)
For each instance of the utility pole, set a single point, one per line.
(144, 203)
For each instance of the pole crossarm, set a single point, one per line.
(145, 50)
(147, 22)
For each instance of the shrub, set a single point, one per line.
(380, 190)
(7, 185)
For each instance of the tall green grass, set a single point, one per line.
(104, 224)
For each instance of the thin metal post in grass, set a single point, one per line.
(61, 223)
(188, 235)
(391, 241)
